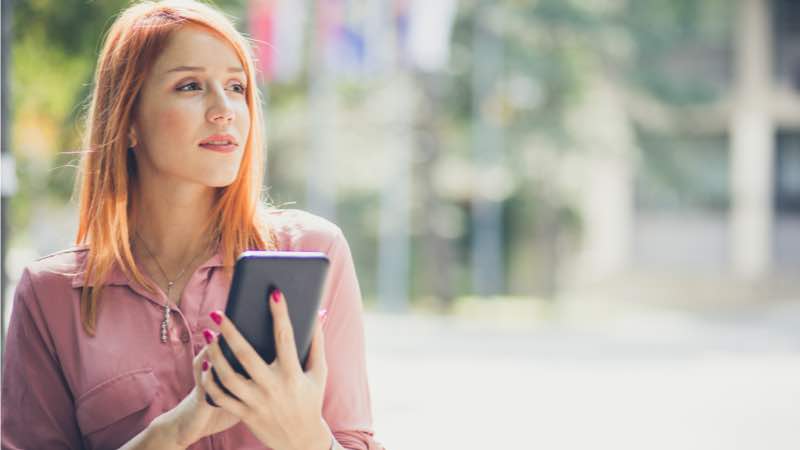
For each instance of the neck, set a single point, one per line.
(171, 220)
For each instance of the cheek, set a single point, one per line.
(243, 121)
(166, 122)
(175, 123)
(169, 131)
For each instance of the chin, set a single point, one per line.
(220, 181)
(220, 176)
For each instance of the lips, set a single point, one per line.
(223, 143)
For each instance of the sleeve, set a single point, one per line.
(347, 405)
(37, 405)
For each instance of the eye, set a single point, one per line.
(239, 88)
(191, 86)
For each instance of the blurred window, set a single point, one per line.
(786, 238)
(787, 173)
(786, 14)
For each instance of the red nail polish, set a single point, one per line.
(208, 335)
(276, 295)
(205, 366)
(216, 317)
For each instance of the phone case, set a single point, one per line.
(299, 275)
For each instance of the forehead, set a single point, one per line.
(195, 46)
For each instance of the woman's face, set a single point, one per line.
(192, 119)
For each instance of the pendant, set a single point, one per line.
(165, 322)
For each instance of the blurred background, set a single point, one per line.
(575, 222)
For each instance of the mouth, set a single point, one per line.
(222, 143)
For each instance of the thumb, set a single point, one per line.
(316, 367)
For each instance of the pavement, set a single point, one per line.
(645, 379)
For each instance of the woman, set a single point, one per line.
(110, 342)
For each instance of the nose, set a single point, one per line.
(219, 110)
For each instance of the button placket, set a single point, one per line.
(183, 338)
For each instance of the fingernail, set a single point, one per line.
(276, 295)
(321, 313)
(208, 335)
(205, 366)
(216, 317)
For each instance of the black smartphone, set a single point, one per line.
(299, 275)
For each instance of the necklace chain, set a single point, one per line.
(170, 283)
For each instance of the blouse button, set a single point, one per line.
(185, 338)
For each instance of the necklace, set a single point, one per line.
(170, 283)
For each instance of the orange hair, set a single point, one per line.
(107, 179)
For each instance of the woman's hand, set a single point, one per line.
(193, 418)
(281, 404)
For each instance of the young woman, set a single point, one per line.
(110, 342)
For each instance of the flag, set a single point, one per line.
(429, 26)
(277, 28)
(261, 24)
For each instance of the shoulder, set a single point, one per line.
(65, 264)
(52, 275)
(298, 230)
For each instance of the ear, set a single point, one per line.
(133, 138)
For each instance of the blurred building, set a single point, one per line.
(702, 203)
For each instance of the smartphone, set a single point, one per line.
(299, 275)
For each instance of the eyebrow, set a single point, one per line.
(200, 69)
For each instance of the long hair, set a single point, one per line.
(107, 180)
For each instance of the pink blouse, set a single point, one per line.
(64, 389)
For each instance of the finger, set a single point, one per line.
(284, 334)
(198, 364)
(316, 367)
(232, 380)
(252, 362)
(220, 398)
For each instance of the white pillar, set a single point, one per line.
(752, 143)
(606, 136)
